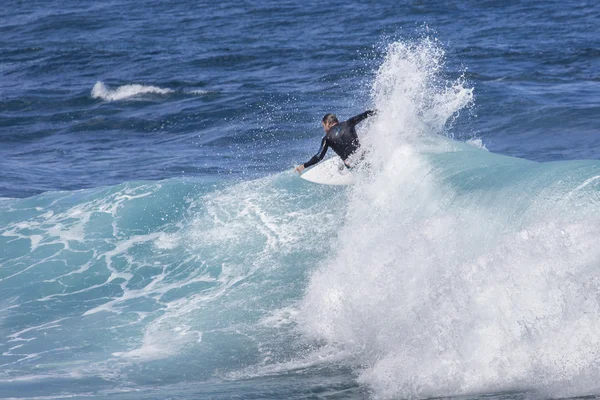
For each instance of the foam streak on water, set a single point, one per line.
(101, 91)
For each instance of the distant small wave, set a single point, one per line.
(101, 91)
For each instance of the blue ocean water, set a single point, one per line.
(155, 243)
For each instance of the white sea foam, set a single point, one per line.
(236, 233)
(439, 291)
(101, 91)
(476, 142)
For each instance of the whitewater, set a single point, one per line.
(446, 270)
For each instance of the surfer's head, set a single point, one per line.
(328, 121)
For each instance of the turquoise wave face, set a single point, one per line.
(181, 281)
(128, 282)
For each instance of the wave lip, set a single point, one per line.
(458, 271)
(101, 91)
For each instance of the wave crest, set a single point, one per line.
(459, 271)
(101, 91)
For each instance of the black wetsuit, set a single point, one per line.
(341, 138)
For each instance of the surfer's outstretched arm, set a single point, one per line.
(317, 157)
(355, 120)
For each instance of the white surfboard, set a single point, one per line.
(329, 172)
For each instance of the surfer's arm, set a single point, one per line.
(356, 119)
(319, 156)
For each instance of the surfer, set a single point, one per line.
(340, 136)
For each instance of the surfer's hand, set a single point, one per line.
(299, 168)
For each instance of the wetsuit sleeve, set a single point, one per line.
(355, 120)
(319, 156)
